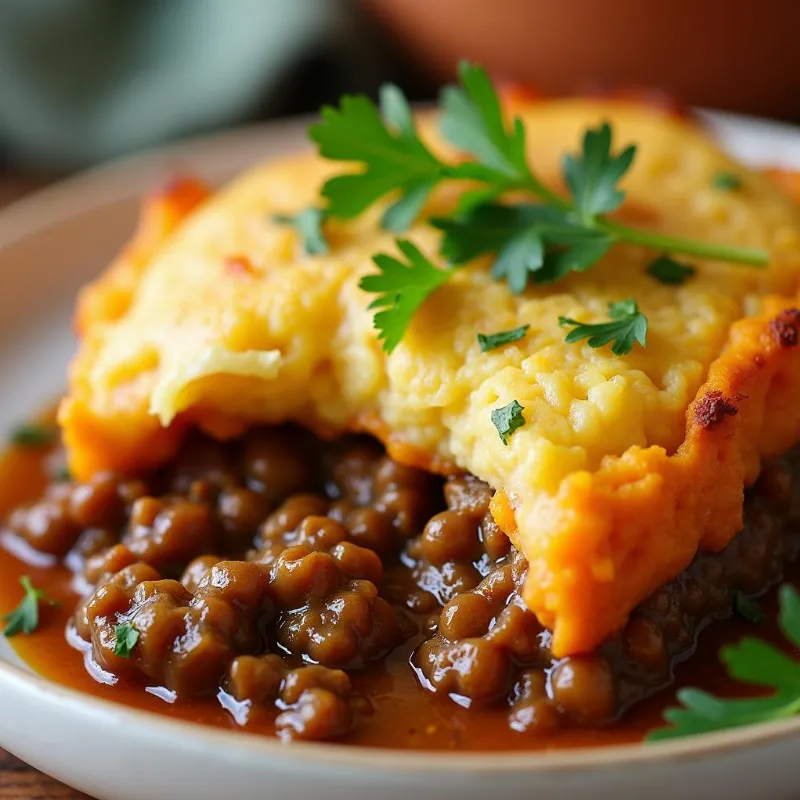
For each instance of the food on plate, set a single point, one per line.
(498, 402)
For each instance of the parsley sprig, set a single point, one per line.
(25, 617)
(628, 325)
(748, 608)
(472, 120)
(508, 419)
(34, 435)
(538, 242)
(125, 639)
(491, 341)
(386, 143)
(727, 181)
(401, 287)
(530, 241)
(752, 661)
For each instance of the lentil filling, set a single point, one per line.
(278, 575)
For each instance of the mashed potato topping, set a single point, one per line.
(625, 465)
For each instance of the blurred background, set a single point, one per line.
(83, 81)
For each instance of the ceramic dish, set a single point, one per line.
(52, 243)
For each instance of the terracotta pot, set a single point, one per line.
(738, 55)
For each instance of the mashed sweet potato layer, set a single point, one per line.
(625, 465)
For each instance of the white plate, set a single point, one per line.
(55, 241)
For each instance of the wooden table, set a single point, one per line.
(15, 185)
(18, 781)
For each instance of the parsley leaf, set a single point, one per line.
(126, 638)
(748, 608)
(521, 256)
(570, 249)
(727, 181)
(491, 341)
(752, 661)
(25, 617)
(488, 228)
(401, 289)
(593, 175)
(529, 239)
(508, 419)
(542, 242)
(33, 435)
(670, 272)
(394, 159)
(308, 224)
(472, 120)
(628, 326)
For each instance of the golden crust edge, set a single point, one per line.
(647, 507)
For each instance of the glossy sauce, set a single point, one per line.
(405, 715)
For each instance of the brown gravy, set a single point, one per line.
(405, 715)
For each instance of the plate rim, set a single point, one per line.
(539, 761)
(130, 177)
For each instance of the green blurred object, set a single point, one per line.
(85, 80)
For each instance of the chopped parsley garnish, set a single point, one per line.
(126, 638)
(727, 181)
(495, 228)
(401, 288)
(751, 661)
(670, 272)
(748, 608)
(33, 435)
(508, 419)
(308, 224)
(628, 326)
(25, 617)
(539, 242)
(61, 474)
(491, 341)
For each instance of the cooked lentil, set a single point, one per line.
(278, 570)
